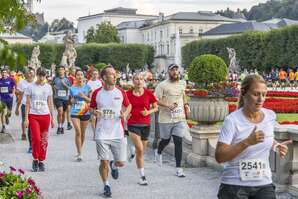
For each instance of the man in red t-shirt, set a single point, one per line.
(143, 104)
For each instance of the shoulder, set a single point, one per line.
(96, 91)
(269, 114)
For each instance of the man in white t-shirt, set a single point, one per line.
(108, 104)
(21, 101)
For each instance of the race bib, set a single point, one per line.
(177, 113)
(62, 93)
(4, 89)
(39, 105)
(252, 170)
(79, 105)
(108, 114)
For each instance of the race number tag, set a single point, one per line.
(251, 170)
(79, 105)
(39, 105)
(4, 89)
(177, 113)
(62, 93)
(108, 114)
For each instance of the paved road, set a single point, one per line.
(65, 178)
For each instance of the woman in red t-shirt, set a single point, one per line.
(143, 104)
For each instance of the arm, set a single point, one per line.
(27, 108)
(50, 105)
(19, 101)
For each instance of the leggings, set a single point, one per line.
(39, 128)
(178, 148)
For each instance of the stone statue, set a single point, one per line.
(234, 66)
(70, 54)
(34, 61)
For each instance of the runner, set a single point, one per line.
(68, 118)
(172, 101)
(21, 101)
(80, 115)
(139, 121)
(39, 115)
(107, 103)
(61, 85)
(7, 90)
(292, 78)
(244, 144)
(94, 83)
(282, 78)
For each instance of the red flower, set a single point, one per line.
(22, 171)
(19, 194)
(12, 168)
(28, 190)
(31, 181)
(2, 174)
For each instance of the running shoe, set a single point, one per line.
(58, 131)
(62, 130)
(41, 167)
(143, 181)
(107, 191)
(3, 130)
(114, 171)
(180, 174)
(35, 165)
(69, 127)
(131, 157)
(79, 158)
(29, 150)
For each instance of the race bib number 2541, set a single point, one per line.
(254, 169)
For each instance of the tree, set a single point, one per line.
(13, 17)
(60, 25)
(104, 33)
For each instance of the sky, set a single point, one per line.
(73, 9)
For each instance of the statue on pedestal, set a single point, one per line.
(70, 54)
(34, 61)
(234, 66)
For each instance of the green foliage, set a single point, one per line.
(60, 25)
(100, 66)
(119, 55)
(14, 185)
(207, 69)
(255, 50)
(104, 33)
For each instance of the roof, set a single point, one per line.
(13, 36)
(122, 10)
(281, 22)
(241, 27)
(198, 16)
(133, 24)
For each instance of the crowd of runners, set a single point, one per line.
(118, 117)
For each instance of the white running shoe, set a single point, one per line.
(155, 155)
(79, 158)
(143, 181)
(180, 173)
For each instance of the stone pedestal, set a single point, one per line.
(204, 139)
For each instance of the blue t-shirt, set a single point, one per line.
(80, 107)
(61, 92)
(6, 88)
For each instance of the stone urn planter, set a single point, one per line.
(208, 110)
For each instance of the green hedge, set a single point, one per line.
(261, 50)
(119, 55)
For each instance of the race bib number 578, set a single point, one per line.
(253, 169)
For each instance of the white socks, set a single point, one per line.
(142, 172)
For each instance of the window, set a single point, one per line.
(168, 48)
(180, 30)
(161, 35)
(191, 30)
(200, 31)
(148, 36)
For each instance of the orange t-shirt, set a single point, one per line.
(292, 76)
(282, 75)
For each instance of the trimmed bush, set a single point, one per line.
(100, 66)
(119, 55)
(255, 50)
(207, 69)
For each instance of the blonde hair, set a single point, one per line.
(246, 84)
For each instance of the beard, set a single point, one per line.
(174, 78)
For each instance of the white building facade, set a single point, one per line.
(114, 16)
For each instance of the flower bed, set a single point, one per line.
(282, 105)
(282, 94)
(231, 99)
(288, 122)
(232, 108)
(15, 185)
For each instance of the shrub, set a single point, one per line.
(207, 69)
(100, 66)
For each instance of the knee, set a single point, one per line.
(104, 165)
(139, 151)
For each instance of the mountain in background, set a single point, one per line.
(265, 11)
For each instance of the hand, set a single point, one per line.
(52, 122)
(283, 148)
(98, 113)
(26, 123)
(145, 112)
(186, 110)
(72, 100)
(172, 106)
(255, 137)
(123, 115)
(82, 95)
(17, 112)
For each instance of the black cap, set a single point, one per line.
(171, 66)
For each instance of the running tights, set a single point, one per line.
(178, 148)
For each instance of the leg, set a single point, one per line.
(36, 138)
(44, 122)
(104, 170)
(93, 125)
(83, 126)
(162, 144)
(139, 149)
(78, 141)
(60, 116)
(178, 150)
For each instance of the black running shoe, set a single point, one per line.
(143, 181)
(114, 172)
(62, 130)
(107, 191)
(69, 127)
(41, 167)
(58, 131)
(35, 165)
